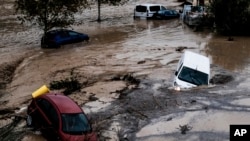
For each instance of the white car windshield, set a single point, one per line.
(193, 76)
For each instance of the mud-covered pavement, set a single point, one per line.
(126, 70)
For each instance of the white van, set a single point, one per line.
(146, 11)
(192, 70)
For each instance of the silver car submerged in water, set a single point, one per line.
(192, 15)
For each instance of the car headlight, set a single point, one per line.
(177, 88)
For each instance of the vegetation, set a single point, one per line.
(49, 13)
(232, 17)
(110, 2)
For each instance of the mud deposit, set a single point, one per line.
(124, 78)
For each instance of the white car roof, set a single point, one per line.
(196, 61)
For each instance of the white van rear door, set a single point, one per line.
(140, 11)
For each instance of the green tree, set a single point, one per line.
(231, 16)
(109, 2)
(48, 14)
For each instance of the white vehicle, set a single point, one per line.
(192, 15)
(145, 11)
(185, 11)
(192, 70)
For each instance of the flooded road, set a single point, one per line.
(128, 66)
(233, 55)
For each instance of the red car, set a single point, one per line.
(59, 118)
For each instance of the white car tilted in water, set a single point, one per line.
(192, 70)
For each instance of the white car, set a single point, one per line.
(192, 70)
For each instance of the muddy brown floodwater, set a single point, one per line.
(127, 70)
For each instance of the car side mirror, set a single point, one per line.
(180, 11)
(176, 72)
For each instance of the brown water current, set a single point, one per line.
(145, 49)
(232, 55)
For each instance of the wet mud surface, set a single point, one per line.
(125, 74)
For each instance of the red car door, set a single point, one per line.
(49, 117)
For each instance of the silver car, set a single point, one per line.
(192, 15)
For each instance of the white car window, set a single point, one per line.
(140, 8)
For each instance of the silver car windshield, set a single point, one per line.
(193, 76)
(163, 8)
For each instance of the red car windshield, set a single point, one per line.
(75, 124)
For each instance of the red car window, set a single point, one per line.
(49, 111)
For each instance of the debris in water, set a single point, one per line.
(184, 128)
(69, 85)
(221, 79)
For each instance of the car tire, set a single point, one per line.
(29, 121)
(57, 46)
(44, 46)
(87, 40)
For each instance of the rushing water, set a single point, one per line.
(148, 50)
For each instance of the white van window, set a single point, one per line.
(154, 8)
(141, 8)
(193, 76)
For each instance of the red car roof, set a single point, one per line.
(63, 103)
